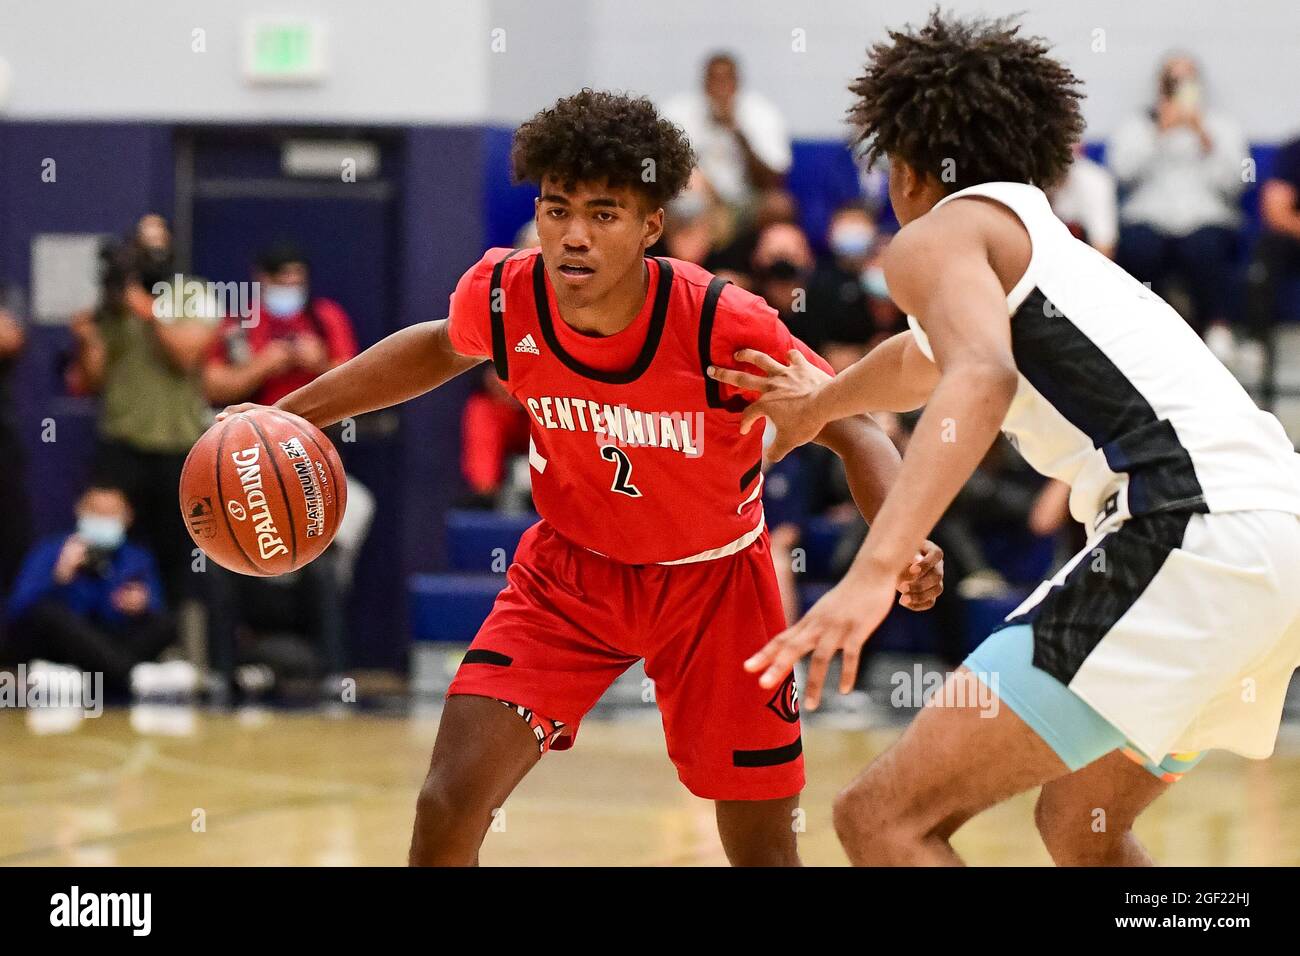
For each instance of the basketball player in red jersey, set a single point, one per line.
(652, 541)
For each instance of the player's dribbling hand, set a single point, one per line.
(236, 409)
(786, 397)
(840, 622)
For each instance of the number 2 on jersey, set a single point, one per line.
(624, 471)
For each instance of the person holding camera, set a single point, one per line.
(90, 599)
(142, 350)
(1182, 167)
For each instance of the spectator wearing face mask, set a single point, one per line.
(90, 599)
(781, 265)
(734, 250)
(848, 290)
(290, 339)
(1182, 166)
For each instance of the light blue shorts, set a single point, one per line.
(1077, 733)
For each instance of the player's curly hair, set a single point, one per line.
(596, 136)
(973, 93)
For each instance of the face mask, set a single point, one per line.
(782, 270)
(851, 241)
(873, 282)
(284, 301)
(100, 531)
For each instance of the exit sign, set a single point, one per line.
(284, 50)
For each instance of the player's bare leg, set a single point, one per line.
(1086, 818)
(759, 832)
(481, 753)
(950, 764)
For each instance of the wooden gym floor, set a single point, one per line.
(183, 787)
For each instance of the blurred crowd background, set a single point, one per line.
(122, 206)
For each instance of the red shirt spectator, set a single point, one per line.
(314, 340)
(493, 428)
(290, 338)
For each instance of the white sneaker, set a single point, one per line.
(58, 681)
(179, 677)
(146, 679)
(983, 586)
(254, 679)
(172, 679)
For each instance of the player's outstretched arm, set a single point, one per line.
(943, 277)
(407, 363)
(799, 400)
(871, 465)
(895, 376)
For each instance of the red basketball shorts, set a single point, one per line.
(570, 621)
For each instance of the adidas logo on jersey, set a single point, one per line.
(526, 344)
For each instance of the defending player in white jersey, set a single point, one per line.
(1177, 628)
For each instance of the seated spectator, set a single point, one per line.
(90, 599)
(733, 250)
(493, 431)
(1181, 165)
(848, 291)
(142, 350)
(740, 139)
(1087, 202)
(1276, 255)
(15, 527)
(291, 338)
(781, 265)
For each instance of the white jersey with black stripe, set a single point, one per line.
(1118, 397)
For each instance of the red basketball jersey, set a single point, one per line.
(644, 463)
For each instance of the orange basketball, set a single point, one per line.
(263, 492)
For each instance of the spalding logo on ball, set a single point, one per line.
(263, 492)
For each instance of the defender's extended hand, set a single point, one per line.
(843, 619)
(787, 393)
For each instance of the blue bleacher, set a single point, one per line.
(820, 538)
(450, 607)
(478, 540)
